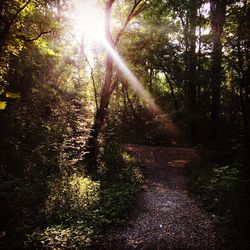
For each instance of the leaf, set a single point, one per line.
(2, 105)
(13, 95)
(1, 90)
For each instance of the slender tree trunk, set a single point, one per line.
(125, 85)
(218, 12)
(151, 72)
(191, 91)
(91, 146)
(192, 62)
(198, 62)
(232, 91)
(243, 73)
(172, 91)
(108, 87)
(125, 105)
(99, 117)
(242, 105)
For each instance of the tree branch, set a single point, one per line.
(25, 39)
(91, 71)
(12, 21)
(108, 9)
(133, 12)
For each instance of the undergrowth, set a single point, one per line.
(78, 209)
(223, 191)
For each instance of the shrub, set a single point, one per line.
(56, 237)
(223, 190)
(79, 209)
(72, 198)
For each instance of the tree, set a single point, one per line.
(21, 23)
(182, 16)
(218, 15)
(236, 59)
(108, 87)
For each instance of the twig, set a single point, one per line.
(24, 38)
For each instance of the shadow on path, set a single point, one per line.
(166, 216)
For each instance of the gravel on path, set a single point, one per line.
(166, 217)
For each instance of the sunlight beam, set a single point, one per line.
(132, 79)
(163, 119)
(89, 24)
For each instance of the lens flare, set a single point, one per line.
(89, 19)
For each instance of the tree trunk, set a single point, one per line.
(191, 90)
(192, 61)
(218, 12)
(108, 87)
(99, 117)
(91, 146)
(243, 83)
(151, 72)
(172, 90)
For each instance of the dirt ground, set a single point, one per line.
(166, 217)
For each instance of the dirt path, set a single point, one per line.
(166, 217)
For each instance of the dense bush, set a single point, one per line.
(223, 190)
(78, 210)
(60, 237)
(71, 198)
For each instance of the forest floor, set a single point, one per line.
(166, 216)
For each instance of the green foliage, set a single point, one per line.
(47, 199)
(3, 105)
(132, 170)
(218, 187)
(223, 191)
(72, 198)
(58, 237)
(23, 23)
(80, 209)
(13, 95)
(71, 203)
(116, 202)
(9, 95)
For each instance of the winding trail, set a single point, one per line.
(166, 216)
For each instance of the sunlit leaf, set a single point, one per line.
(1, 90)
(2, 105)
(13, 95)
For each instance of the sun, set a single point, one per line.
(88, 19)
